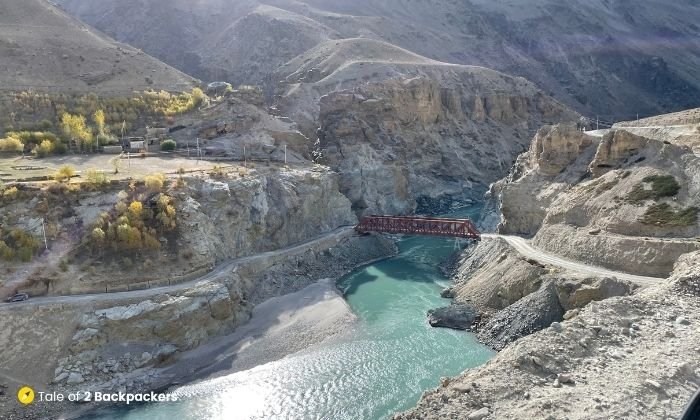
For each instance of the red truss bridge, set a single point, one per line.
(414, 225)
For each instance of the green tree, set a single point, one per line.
(168, 145)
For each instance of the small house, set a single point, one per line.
(134, 144)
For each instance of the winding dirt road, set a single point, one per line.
(524, 247)
(219, 270)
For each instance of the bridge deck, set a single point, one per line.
(414, 225)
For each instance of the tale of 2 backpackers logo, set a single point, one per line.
(25, 395)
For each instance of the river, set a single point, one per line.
(380, 367)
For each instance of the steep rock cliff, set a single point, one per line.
(622, 201)
(421, 144)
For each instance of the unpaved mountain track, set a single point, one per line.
(524, 247)
(219, 270)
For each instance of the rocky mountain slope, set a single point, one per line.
(427, 141)
(624, 357)
(44, 49)
(242, 237)
(622, 201)
(222, 217)
(613, 58)
(611, 199)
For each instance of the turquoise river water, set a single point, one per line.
(379, 368)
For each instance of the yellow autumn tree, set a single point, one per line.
(75, 127)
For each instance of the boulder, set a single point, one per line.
(448, 293)
(575, 293)
(75, 378)
(458, 317)
(482, 413)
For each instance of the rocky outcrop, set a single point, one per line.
(514, 296)
(554, 150)
(602, 362)
(219, 218)
(533, 313)
(412, 141)
(617, 147)
(492, 276)
(542, 173)
(114, 340)
(589, 201)
(457, 317)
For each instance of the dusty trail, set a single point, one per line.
(524, 247)
(217, 271)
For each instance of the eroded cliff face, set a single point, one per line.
(242, 237)
(516, 296)
(574, 369)
(420, 144)
(115, 341)
(621, 201)
(218, 219)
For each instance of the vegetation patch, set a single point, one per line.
(11, 144)
(108, 114)
(95, 179)
(83, 122)
(17, 245)
(168, 145)
(217, 172)
(653, 188)
(10, 193)
(64, 173)
(137, 221)
(662, 214)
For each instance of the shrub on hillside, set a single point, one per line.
(10, 193)
(44, 149)
(11, 144)
(662, 214)
(154, 182)
(198, 96)
(661, 186)
(18, 245)
(64, 173)
(95, 179)
(217, 172)
(135, 226)
(168, 145)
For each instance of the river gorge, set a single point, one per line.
(378, 367)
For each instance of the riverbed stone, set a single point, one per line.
(479, 414)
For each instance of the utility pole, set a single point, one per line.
(43, 230)
(199, 154)
(597, 123)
